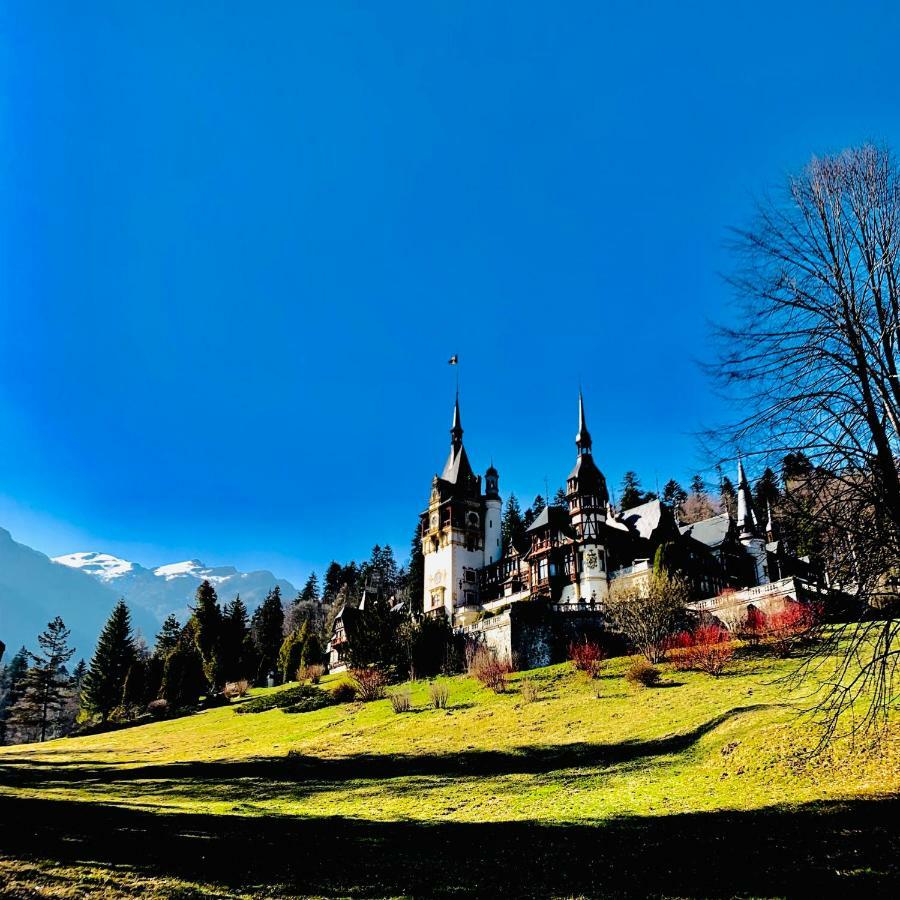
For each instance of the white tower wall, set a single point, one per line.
(493, 548)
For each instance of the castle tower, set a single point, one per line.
(588, 499)
(493, 545)
(453, 531)
(748, 528)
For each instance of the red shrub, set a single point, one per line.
(787, 626)
(490, 671)
(753, 627)
(369, 684)
(587, 656)
(708, 648)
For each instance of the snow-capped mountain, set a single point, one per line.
(170, 588)
(34, 590)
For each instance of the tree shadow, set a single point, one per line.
(817, 850)
(300, 768)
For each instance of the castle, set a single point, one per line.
(572, 556)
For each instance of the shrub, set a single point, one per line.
(709, 649)
(159, 709)
(343, 692)
(400, 700)
(529, 690)
(299, 698)
(787, 626)
(311, 673)
(587, 656)
(369, 684)
(753, 627)
(642, 673)
(439, 694)
(490, 671)
(238, 688)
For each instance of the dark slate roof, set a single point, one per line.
(457, 468)
(555, 517)
(711, 532)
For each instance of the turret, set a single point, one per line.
(493, 548)
(748, 528)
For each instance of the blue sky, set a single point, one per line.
(238, 243)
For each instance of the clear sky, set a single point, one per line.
(239, 241)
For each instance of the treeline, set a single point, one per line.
(191, 663)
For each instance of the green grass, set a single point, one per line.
(586, 754)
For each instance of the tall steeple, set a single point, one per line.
(583, 438)
(746, 519)
(456, 432)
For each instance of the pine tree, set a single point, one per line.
(206, 623)
(78, 674)
(11, 688)
(46, 681)
(310, 592)
(674, 495)
(530, 515)
(234, 634)
(109, 666)
(698, 486)
(729, 497)
(512, 528)
(268, 621)
(767, 494)
(630, 493)
(334, 578)
(168, 636)
(183, 679)
(415, 572)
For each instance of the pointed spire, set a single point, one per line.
(456, 432)
(746, 518)
(583, 438)
(770, 522)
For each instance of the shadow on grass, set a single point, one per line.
(300, 768)
(814, 850)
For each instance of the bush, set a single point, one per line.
(587, 656)
(343, 692)
(529, 690)
(238, 688)
(400, 700)
(439, 694)
(369, 684)
(490, 671)
(785, 628)
(300, 698)
(753, 627)
(640, 672)
(311, 673)
(708, 648)
(159, 709)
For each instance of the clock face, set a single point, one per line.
(434, 520)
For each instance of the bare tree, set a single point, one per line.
(812, 364)
(649, 611)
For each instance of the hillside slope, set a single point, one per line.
(720, 757)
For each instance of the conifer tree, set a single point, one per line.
(310, 592)
(334, 578)
(729, 497)
(183, 679)
(168, 636)
(512, 528)
(11, 688)
(267, 624)
(674, 495)
(46, 681)
(415, 572)
(234, 636)
(767, 494)
(206, 623)
(109, 666)
(630, 494)
(533, 511)
(559, 500)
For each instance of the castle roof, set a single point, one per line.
(712, 531)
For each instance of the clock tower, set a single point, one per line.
(455, 531)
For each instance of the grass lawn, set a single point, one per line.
(700, 787)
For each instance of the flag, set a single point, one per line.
(454, 360)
